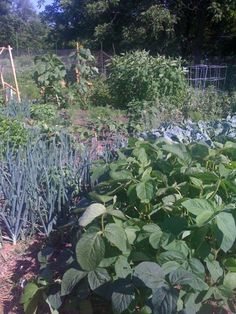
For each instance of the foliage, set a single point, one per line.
(157, 237)
(43, 112)
(139, 76)
(182, 27)
(188, 132)
(49, 77)
(149, 115)
(62, 85)
(208, 104)
(21, 25)
(100, 93)
(82, 72)
(12, 132)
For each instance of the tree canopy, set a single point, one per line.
(175, 27)
(20, 25)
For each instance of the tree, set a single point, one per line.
(191, 28)
(20, 25)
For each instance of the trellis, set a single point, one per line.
(201, 76)
(7, 88)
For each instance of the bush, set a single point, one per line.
(158, 236)
(45, 112)
(148, 115)
(12, 132)
(139, 76)
(207, 104)
(100, 94)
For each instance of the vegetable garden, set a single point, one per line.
(129, 180)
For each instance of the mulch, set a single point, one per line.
(17, 266)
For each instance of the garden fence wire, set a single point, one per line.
(215, 71)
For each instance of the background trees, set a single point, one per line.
(20, 25)
(175, 27)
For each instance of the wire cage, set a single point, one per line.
(201, 76)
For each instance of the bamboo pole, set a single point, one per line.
(76, 68)
(14, 74)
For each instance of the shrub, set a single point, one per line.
(148, 115)
(12, 132)
(139, 76)
(157, 237)
(100, 94)
(207, 104)
(43, 112)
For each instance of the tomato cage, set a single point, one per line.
(202, 76)
(8, 81)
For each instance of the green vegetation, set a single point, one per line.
(159, 238)
(130, 176)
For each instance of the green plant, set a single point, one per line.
(139, 76)
(12, 132)
(207, 104)
(158, 236)
(148, 115)
(43, 112)
(100, 93)
(81, 73)
(50, 77)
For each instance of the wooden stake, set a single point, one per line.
(76, 68)
(14, 74)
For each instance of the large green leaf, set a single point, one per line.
(145, 191)
(93, 211)
(198, 206)
(183, 277)
(230, 264)
(164, 300)
(171, 256)
(90, 250)
(226, 224)
(117, 236)
(122, 267)
(215, 269)
(204, 217)
(179, 150)
(70, 279)
(122, 296)
(98, 278)
(150, 274)
(230, 280)
(121, 175)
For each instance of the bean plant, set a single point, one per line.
(156, 235)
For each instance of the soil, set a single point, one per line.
(17, 267)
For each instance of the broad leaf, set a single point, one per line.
(117, 236)
(122, 267)
(198, 206)
(90, 250)
(164, 300)
(226, 224)
(214, 268)
(145, 191)
(230, 280)
(70, 279)
(93, 211)
(184, 277)
(98, 278)
(122, 296)
(150, 274)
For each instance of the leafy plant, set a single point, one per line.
(139, 76)
(158, 235)
(43, 112)
(12, 132)
(50, 78)
(188, 132)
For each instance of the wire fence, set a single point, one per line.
(217, 72)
